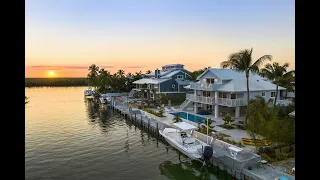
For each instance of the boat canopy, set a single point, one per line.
(184, 126)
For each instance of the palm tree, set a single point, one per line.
(275, 73)
(104, 80)
(148, 72)
(142, 91)
(154, 91)
(288, 82)
(93, 75)
(242, 62)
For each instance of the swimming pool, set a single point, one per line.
(190, 117)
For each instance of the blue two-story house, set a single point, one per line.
(171, 79)
(224, 91)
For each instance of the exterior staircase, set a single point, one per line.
(185, 104)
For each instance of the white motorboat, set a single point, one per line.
(88, 92)
(184, 142)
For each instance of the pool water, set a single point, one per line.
(190, 117)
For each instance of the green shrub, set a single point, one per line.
(226, 126)
(266, 157)
(292, 154)
(160, 113)
(281, 156)
(177, 119)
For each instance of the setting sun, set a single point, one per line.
(51, 73)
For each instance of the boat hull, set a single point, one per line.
(190, 154)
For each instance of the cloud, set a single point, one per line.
(63, 67)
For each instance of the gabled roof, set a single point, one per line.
(240, 85)
(150, 81)
(227, 74)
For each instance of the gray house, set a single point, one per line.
(223, 92)
(171, 79)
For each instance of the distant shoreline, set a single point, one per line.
(55, 82)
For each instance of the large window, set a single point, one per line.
(222, 95)
(273, 94)
(263, 94)
(179, 76)
(210, 80)
(206, 93)
(233, 96)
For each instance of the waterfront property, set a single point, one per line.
(223, 92)
(170, 79)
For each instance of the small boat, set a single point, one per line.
(103, 100)
(88, 92)
(185, 143)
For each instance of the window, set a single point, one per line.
(273, 94)
(222, 95)
(233, 96)
(210, 80)
(173, 86)
(179, 76)
(156, 86)
(263, 94)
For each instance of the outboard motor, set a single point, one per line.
(207, 154)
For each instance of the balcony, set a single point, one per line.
(211, 100)
(231, 102)
(201, 86)
(200, 99)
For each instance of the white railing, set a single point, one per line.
(184, 103)
(201, 86)
(231, 102)
(200, 99)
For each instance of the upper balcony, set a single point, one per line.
(211, 100)
(201, 86)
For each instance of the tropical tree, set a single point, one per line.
(142, 91)
(275, 73)
(194, 75)
(257, 117)
(242, 62)
(227, 120)
(93, 75)
(154, 91)
(288, 82)
(148, 71)
(104, 80)
(177, 119)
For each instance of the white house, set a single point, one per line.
(224, 91)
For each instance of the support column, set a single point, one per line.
(216, 107)
(195, 108)
(238, 112)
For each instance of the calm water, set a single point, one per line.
(68, 138)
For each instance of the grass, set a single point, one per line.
(56, 82)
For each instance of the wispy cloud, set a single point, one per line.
(62, 67)
(136, 67)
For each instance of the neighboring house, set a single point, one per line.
(288, 94)
(171, 79)
(223, 91)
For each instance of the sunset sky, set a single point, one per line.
(64, 37)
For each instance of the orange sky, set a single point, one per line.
(67, 38)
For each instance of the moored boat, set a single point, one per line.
(185, 143)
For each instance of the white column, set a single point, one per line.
(195, 108)
(216, 107)
(195, 92)
(238, 112)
